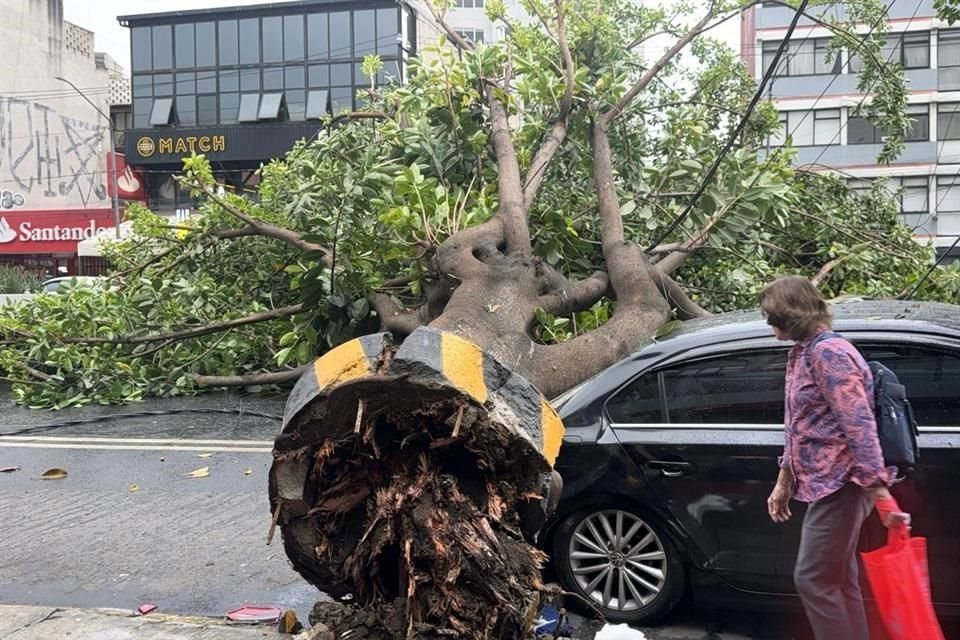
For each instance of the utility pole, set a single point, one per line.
(113, 155)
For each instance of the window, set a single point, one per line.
(270, 106)
(470, 4)
(206, 44)
(340, 75)
(948, 121)
(341, 99)
(293, 38)
(229, 42)
(638, 402)
(860, 187)
(230, 80)
(162, 110)
(387, 32)
(914, 194)
(185, 41)
(948, 205)
(249, 107)
(141, 111)
(206, 110)
(861, 131)
(272, 78)
(250, 79)
(340, 35)
(229, 108)
(318, 75)
(948, 48)
(318, 103)
(294, 78)
(808, 128)
(473, 35)
(318, 44)
(187, 110)
(744, 388)
(142, 86)
(804, 58)
(826, 126)
(364, 33)
(163, 84)
(162, 47)
(931, 377)
(272, 39)
(186, 83)
(296, 100)
(207, 82)
(142, 49)
(249, 35)
(911, 50)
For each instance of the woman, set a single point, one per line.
(831, 459)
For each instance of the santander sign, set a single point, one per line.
(28, 233)
(51, 231)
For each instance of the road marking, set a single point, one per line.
(97, 439)
(10, 443)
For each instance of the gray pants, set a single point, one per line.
(827, 571)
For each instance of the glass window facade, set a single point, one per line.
(210, 65)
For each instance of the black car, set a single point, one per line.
(670, 454)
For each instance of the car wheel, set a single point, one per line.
(620, 562)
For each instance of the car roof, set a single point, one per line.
(848, 315)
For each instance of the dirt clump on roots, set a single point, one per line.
(414, 521)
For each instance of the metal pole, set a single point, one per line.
(113, 155)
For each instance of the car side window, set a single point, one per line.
(741, 388)
(932, 379)
(638, 402)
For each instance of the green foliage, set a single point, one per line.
(16, 279)
(380, 195)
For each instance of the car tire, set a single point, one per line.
(598, 562)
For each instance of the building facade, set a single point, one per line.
(55, 189)
(817, 95)
(469, 19)
(243, 84)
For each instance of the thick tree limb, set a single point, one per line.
(34, 373)
(558, 131)
(576, 296)
(274, 377)
(516, 230)
(194, 332)
(395, 318)
(456, 255)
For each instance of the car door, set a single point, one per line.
(931, 373)
(706, 430)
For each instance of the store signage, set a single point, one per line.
(147, 146)
(51, 231)
(131, 182)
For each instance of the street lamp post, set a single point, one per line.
(113, 155)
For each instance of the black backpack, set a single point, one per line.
(896, 425)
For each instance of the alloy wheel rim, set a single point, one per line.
(617, 560)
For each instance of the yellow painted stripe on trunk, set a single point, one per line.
(463, 365)
(551, 426)
(345, 362)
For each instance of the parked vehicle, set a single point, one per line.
(53, 285)
(670, 454)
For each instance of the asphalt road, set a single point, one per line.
(128, 525)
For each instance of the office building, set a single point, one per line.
(817, 95)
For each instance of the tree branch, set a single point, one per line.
(558, 131)
(396, 318)
(825, 270)
(194, 332)
(292, 238)
(273, 377)
(675, 296)
(702, 26)
(516, 232)
(576, 296)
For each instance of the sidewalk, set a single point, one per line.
(47, 623)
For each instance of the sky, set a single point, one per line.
(100, 16)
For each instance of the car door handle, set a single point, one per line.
(670, 468)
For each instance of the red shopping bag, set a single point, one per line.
(900, 581)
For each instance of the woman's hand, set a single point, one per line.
(778, 504)
(889, 511)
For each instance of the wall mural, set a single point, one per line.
(49, 159)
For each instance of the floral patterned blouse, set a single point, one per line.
(831, 433)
